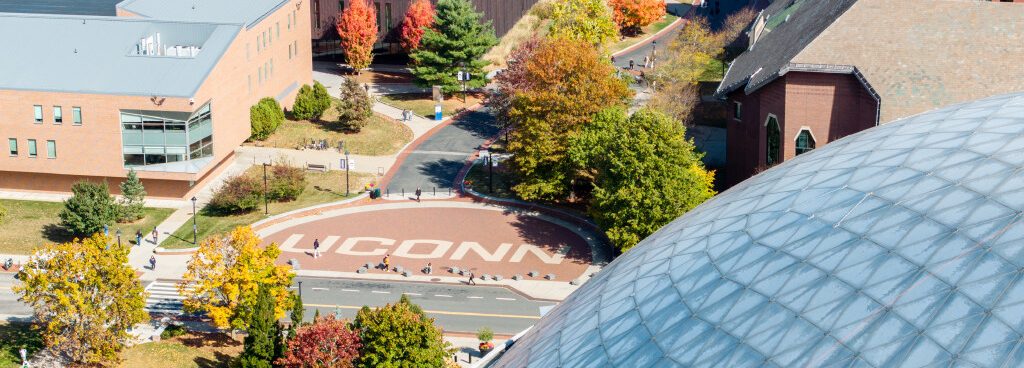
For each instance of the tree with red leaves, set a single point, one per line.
(327, 343)
(419, 16)
(631, 15)
(357, 27)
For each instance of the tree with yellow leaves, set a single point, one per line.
(224, 276)
(85, 296)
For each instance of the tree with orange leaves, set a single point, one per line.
(419, 17)
(631, 15)
(357, 27)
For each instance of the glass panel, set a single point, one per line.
(58, 116)
(32, 148)
(76, 115)
(38, 111)
(134, 159)
(804, 142)
(51, 149)
(773, 144)
(13, 143)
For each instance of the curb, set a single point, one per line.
(662, 32)
(511, 288)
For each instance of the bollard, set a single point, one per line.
(449, 191)
(388, 191)
(403, 192)
(435, 192)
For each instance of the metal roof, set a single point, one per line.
(248, 12)
(92, 54)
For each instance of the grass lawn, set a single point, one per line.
(421, 103)
(320, 188)
(646, 32)
(190, 350)
(14, 337)
(30, 224)
(380, 137)
(714, 72)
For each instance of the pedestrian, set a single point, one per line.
(613, 59)
(106, 230)
(647, 61)
(316, 248)
(630, 64)
(152, 262)
(387, 262)
(472, 280)
(156, 233)
(418, 193)
(429, 269)
(138, 237)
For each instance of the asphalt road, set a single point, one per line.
(436, 161)
(72, 7)
(454, 307)
(9, 304)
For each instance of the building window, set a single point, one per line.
(376, 5)
(13, 144)
(32, 148)
(271, 67)
(51, 149)
(341, 5)
(259, 41)
(265, 40)
(38, 110)
(248, 78)
(737, 110)
(76, 115)
(774, 142)
(296, 48)
(155, 138)
(387, 17)
(58, 116)
(804, 142)
(259, 75)
(316, 13)
(289, 51)
(277, 29)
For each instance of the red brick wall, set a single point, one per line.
(504, 14)
(832, 106)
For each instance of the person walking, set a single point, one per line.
(418, 193)
(316, 248)
(647, 61)
(472, 278)
(387, 262)
(152, 262)
(138, 237)
(429, 269)
(156, 234)
(630, 64)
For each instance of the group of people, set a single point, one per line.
(385, 263)
(406, 115)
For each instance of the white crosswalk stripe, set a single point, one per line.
(164, 297)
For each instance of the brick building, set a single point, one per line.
(164, 88)
(816, 71)
(324, 14)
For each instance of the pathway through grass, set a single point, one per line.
(30, 224)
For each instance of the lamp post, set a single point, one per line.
(348, 166)
(490, 168)
(463, 77)
(195, 228)
(266, 207)
(118, 233)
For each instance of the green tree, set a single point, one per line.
(355, 108)
(589, 21)
(645, 172)
(311, 102)
(133, 198)
(457, 42)
(298, 312)
(265, 117)
(260, 346)
(85, 296)
(566, 82)
(90, 207)
(396, 336)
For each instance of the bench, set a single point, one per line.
(317, 167)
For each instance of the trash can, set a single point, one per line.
(375, 193)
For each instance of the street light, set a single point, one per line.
(463, 77)
(490, 167)
(266, 207)
(195, 228)
(118, 233)
(348, 166)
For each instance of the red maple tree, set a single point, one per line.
(328, 342)
(357, 27)
(419, 17)
(631, 15)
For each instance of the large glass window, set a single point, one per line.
(58, 116)
(32, 148)
(161, 137)
(804, 142)
(773, 142)
(51, 149)
(376, 6)
(13, 145)
(38, 112)
(387, 17)
(76, 115)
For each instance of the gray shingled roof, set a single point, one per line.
(90, 54)
(776, 48)
(246, 12)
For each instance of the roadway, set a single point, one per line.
(457, 308)
(9, 303)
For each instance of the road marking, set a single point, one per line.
(320, 288)
(442, 296)
(475, 297)
(413, 294)
(434, 312)
(380, 292)
(350, 290)
(505, 299)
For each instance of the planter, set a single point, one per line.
(486, 347)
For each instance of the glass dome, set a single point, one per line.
(900, 246)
